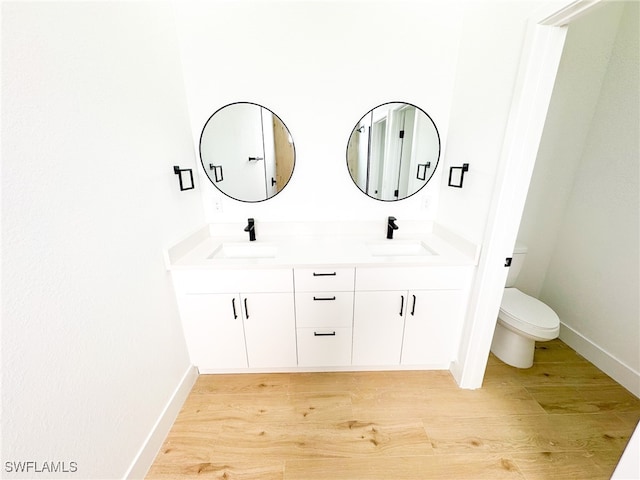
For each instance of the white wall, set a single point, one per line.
(581, 221)
(575, 96)
(93, 119)
(491, 45)
(319, 66)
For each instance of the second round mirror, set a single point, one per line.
(393, 151)
(247, 152)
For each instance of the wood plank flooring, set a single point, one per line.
(562, 419)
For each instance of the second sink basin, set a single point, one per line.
(404, 248)
(244, 250)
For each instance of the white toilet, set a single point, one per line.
(522, 321)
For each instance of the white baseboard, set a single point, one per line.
(147, 454)
(605, 361)
(325, 369)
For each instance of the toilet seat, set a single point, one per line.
(523, 313)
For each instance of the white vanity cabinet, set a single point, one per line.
(324, 315)
(213, 329)
(237, 318)
(378, 326)
(433, 322)
(408, 315)
(269, 328)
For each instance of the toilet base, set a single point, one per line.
(512, 348)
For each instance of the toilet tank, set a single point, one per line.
(517, 260)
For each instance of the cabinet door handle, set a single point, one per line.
(233, 304)
(246, 309)
(324, 298)
(316, 334)
(332, 274)
(401, 304)
(413, 308)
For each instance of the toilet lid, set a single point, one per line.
(525, 309)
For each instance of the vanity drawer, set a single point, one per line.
(322, 347)
(324, 309)
(412, 278)
(323, 279)
(233, 280)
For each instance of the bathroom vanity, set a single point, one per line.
(328, 296)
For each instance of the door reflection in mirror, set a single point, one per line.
(393, 151)
(247, 152)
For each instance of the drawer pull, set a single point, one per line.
(246, 309)
(316, 334)
(324, 298)
(332, 274)
(233, 304)
(401, 304)
(413, 308)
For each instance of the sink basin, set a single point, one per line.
(244, 250)
(399, 248)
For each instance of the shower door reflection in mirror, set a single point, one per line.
(393, 151)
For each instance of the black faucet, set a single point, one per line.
(391, 226)
(251, 228)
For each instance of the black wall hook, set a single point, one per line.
(179, 171)
(455, 180)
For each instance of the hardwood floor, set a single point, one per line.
(562, 419)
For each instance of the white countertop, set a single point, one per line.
(299, 244)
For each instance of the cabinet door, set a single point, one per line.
(214, 330)
(270, 329)
(432, 327)
(378, 324)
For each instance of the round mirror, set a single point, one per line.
(393, 151)
(247, 152)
